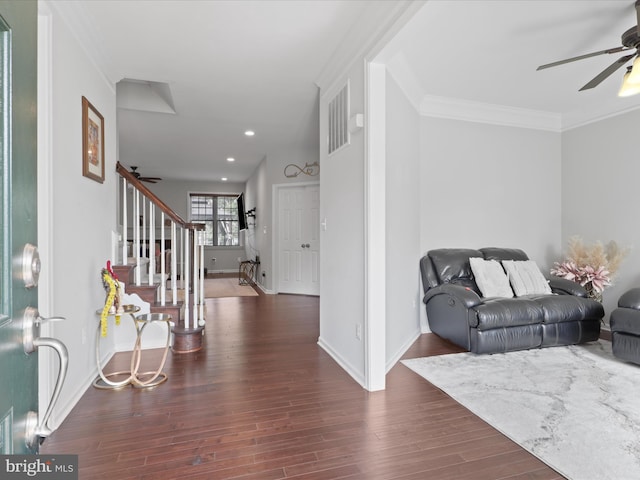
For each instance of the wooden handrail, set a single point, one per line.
(131, 178)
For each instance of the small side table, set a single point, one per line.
(138, 379)
(247, 272)
(120, 379)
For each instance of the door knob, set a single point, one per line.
(37, 429)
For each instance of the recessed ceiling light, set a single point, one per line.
(249, 133)
(231, 159)
(224, 179)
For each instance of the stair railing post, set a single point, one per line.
(163, 287)
(152, 243)
(185, 282)
(196, 276)
(182, 260)
(136, 234)
(201, 314)
(143, 228)
(174, 269)
(124, 221)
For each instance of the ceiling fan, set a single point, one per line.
(630, 41)
(135, 173)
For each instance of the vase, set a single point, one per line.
(593, 293)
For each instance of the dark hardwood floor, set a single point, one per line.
(262, 401)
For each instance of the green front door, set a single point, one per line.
(18, 221)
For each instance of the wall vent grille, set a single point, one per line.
(339, 120)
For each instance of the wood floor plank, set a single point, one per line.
(261, 401)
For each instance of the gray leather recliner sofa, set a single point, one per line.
(457, 311)
(625, 327)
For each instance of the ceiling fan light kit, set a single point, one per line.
(630, 40)
(628, 88)
(634, 76)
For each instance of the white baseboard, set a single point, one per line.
(265, 290)
(346, 366)
(59, 416)
(401, 351)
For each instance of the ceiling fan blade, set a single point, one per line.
(637, 4)
(606, 72)
(581, 57)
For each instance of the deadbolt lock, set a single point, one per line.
(30, 265)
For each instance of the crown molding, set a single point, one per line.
(398, 68)
(456, 109)
(380, 21)
(579, 119)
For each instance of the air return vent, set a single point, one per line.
(339, 120)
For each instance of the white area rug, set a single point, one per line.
(576, 408)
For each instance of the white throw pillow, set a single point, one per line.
(490, 278)
(525, 277)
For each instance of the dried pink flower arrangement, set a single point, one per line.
(591, 266)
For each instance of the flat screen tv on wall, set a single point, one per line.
(242, 217)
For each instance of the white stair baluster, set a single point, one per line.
(136, 234)
(185, 281)
(124, 221)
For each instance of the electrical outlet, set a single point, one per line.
(358, 331)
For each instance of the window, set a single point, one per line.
(219, 214)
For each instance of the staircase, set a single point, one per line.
(144, 206)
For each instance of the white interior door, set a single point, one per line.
(299, 239)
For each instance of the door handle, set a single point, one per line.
(305, 245)
(37, 428)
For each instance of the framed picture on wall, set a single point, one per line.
(92, 142)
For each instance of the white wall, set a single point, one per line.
(600, 192)
(83, 211)
(487, 185)
(175, 193)
(258, 243)
(342, 268)
(403, 220)
(259, 194)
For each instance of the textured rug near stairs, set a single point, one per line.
(224, 287)
(576, 408)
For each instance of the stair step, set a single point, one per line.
(124, 273)
(174, 310)
(147, 293)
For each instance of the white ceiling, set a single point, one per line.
(237, 65)
(488, 52)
